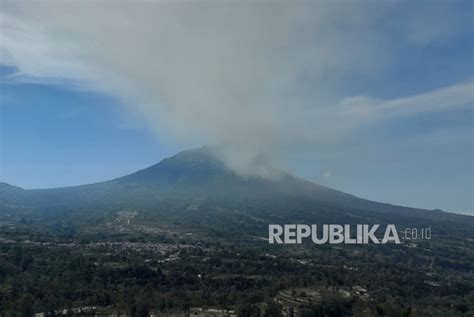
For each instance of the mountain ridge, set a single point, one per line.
(191, 175)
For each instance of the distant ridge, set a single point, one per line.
(8, 187)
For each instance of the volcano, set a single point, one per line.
(198, 175)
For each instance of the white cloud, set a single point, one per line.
(442, 99)
(263, 78)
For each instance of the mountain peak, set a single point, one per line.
(202, 155)
(186, 166)
(191, 175)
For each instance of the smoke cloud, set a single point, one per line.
(260, 78)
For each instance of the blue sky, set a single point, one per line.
(56, 135)
(372, 99)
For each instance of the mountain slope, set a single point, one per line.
(195, 175)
